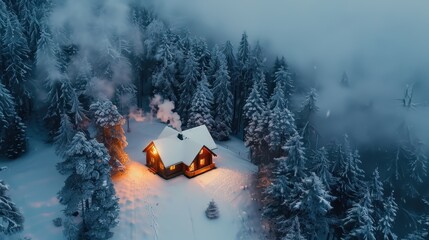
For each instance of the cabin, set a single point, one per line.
(175, 153)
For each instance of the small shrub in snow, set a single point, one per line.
(58, 222)
(212, 212)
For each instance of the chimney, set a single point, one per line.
(180, 136)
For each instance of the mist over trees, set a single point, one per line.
(79, 78)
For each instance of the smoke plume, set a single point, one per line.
(164, 112)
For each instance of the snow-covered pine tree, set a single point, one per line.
(154, 33)
(102, 215)
(214, 64)
(296, 158)
(306, 120)
(88, 189)
(359, 223)
(202, 104)
(163, 80)
(253, 110)
(228, 51)
(280, 128)
(377, 196)
(350, 185)
(418, 162)
(387, 220)
(7, 112)
(64, 135)
(222, 100)
(29, 17)
(61, 96)
(283, 76)
(212, 210)
(15, 56)
(188, 86)
(294, 231)
(312, 205)
(11, 217)
(202, 53)
(322, 166)
(110, 132)
(15, 143)
(47, 52)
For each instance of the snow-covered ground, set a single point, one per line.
(151, 207)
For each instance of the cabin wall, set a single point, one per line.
(153, 161)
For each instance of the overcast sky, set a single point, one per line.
(382, 45)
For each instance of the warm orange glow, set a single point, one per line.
(152, 160)
(154, 150)
(202, 151)
(161, 166)
(191, 168)
(172, 167)
(202, 161)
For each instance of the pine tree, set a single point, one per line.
(283, 76)
(359, 220)
(418, 162)
(64, 135)
(61, 99)
(102, 214)
(322, 166)
(387, 220)
(349, 173)
(253, 110)
(15, 138)
(308, 109)
(294, 232)
(214, 64)
(88, 189)
(11, 216)
(377, 195)
(110, 132)
(212, 211)
(306, 120)
(244, 81)
(296, 157)
(222, 101)
(163, 79)
(47, 52)
(312, 205)
(188, 86)
(281, 123)
(15, 54)
(7, 112)
(228, 51)
(201, 107)
(202, 53)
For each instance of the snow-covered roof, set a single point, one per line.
(202, 135)
(173, 150)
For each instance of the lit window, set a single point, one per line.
(161, 166)
(202, 161)
(154, 150)
(152, 160)
(172, 167)
(202, 151)
(191, 168)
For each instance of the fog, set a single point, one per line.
(382, 45)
